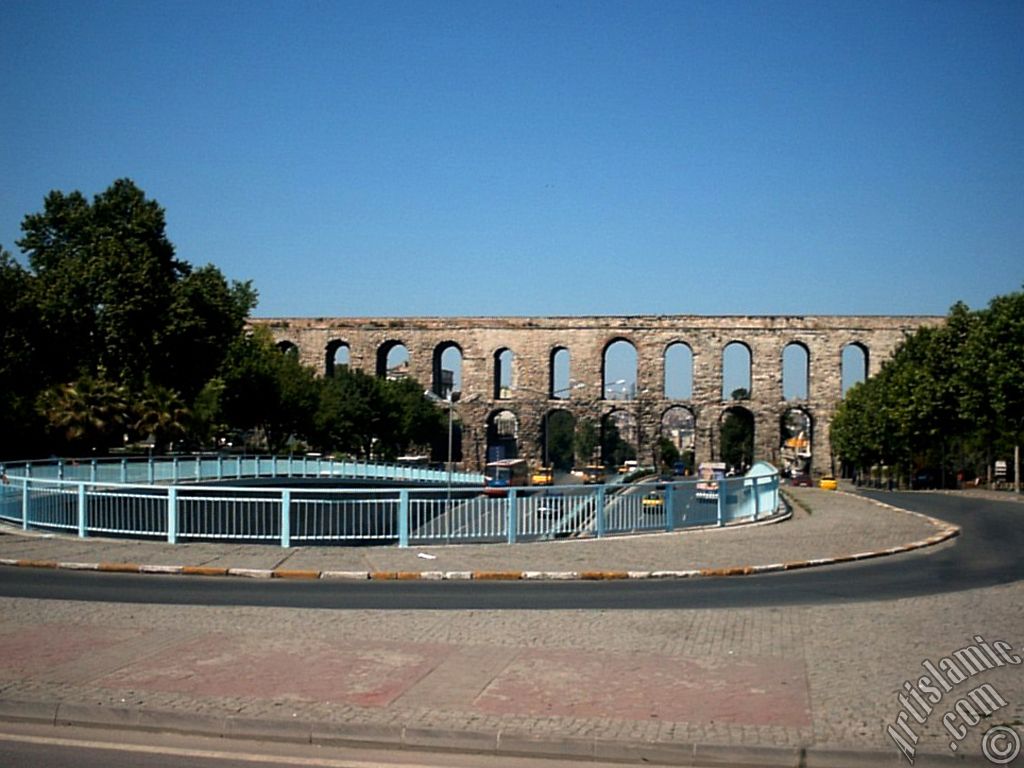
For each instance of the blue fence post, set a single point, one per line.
(151, 470)
(670, 512)
(403, 518)
(24, 503)
(60, 469)
(220, 467)
(286, 518)
(81, 511)
(511, 516)
(757, 500)
(92, 471)
(172, 515)
(723, 490)
(199, 467)
(599, 510)
(174, 470)
(124, 470)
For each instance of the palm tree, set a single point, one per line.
(90, 412)
(161, 416)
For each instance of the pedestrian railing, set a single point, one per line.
(96, 498)
(183, 469)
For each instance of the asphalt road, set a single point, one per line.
(985, 554)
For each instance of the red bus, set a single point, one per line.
(501, 475)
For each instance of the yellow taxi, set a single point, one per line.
(542, 476)
(828, 483)
(653, 501)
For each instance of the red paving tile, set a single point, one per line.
(746, 691)
(534, 682)
(32, 650)
(371, 675)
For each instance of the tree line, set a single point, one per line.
(946, 405)
(109, 341)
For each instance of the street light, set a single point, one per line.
(609, 388)
(452, 398)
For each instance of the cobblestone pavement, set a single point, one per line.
(813, 678)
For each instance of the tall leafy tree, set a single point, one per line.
(20, 379)
(949, 398)
(105, 272)
(205, 316)
(586, 440)
(561, 432)
(111, 294)
(738, 438)
(369, 416)
(995, 353)
(267, 390)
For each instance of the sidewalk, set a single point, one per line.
(761, 686)
(841, 527)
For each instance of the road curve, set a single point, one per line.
(985, 554)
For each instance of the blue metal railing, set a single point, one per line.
(106, 498)
(181, 469)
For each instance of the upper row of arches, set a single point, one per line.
(619, 368)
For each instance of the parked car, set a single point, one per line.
(801, 480)
(828, 483)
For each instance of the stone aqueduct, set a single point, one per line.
(534, 342)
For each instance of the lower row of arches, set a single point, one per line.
(563, 441)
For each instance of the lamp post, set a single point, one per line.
(452, 398)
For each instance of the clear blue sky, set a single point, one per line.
(520, 158)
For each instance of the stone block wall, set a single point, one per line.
(533, 340)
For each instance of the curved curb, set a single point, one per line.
(945, 532)
(495, 742)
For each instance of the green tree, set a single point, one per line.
(105, 272)
(948, 393)
(205, 316)
(268, 392)
(614, 449)
(409, 418)
(994, 354)
(112, 296)
(560, 439)
(586, 441)
(738, 438)
(19, 362)
(668, 453)
(207, 425)
(369, 416)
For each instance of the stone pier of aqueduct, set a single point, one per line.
(536, 342)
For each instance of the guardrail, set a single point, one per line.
(98, 505)
(183, 469)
